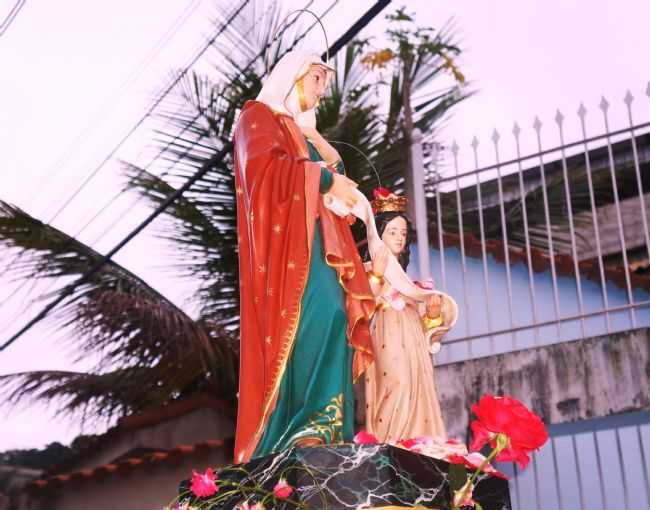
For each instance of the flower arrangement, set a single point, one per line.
(508, 426)
(510, 429)
(207, 490)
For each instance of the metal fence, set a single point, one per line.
(592, 464)
(550, 246)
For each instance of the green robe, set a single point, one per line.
(316, 398)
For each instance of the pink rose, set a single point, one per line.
(464, 500)
(282, 489)
(473, 461)
(204, 484)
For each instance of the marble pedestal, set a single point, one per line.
(352, 476)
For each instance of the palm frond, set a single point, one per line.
(199, 120)
(203, 231)
(115, 314)
(107, 394)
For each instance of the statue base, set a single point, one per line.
(352, 476)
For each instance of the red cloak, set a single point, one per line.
(278, 201)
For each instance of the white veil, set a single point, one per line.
(279, 91)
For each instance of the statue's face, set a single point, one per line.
(313, 85)
(395, 234)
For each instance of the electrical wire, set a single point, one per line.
(131, 131)
(142, 170)
(178, 135)
(156, 102)
(215, 159)
(101, 113)
(149, 111)
(10, 18)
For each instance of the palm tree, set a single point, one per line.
(151, 351)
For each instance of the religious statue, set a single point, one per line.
(401, 397)
(304, 296)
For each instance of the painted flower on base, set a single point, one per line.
(282, 489)
(364, 437)
(524, 431)
(434, 446)
(395, 300)
(204, 484)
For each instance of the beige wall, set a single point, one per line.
(192, 428)
(144, 488)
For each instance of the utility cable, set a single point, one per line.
(10, 18)
(214, 160)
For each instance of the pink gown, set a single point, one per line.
(400, 391)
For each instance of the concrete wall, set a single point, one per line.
(192, 428)
(143, 488)
(562, 382)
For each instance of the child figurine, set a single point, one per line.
(401, 397)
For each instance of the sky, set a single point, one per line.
(77, 75)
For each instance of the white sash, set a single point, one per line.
(394, 273)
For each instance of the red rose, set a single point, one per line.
(507, 416)
(364, 437)
(204, 484)
(381, 193)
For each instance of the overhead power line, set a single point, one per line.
(149, 111)
(162, 151)
(9, 19)
(217, 158)
(159, 99)
(158, 155)
(138, 70)
(182, 131)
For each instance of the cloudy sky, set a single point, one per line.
(77, 75)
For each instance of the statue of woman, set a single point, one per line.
(401, 397)
(304, 297)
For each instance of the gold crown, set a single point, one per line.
(386, 201)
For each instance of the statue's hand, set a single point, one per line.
(380, 261)
(434, 306)
(343, 189)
